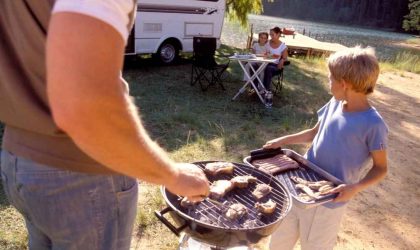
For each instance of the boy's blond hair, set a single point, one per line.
(357, 66)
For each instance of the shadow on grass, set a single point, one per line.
(177, 114)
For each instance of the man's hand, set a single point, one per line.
(191, 182)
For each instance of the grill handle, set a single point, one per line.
(263, 151)
(159, 215)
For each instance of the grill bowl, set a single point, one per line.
(229, 234)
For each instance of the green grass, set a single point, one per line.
(13, 235)
(193, 126)
(405, 61)
(415, 41)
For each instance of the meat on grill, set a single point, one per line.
(185, 202)
(305, 197)
(314, 185)
(276, 164)
(215, 168)
(313, 190)
(324, 189)
(219, 188)
(236, 211)
(261, 190)
(308, 191)
(242, 181)
(266, 208)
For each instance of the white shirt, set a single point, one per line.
(278, 51)
(259, 49)
(113, 12)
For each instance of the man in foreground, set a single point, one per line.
(73, 144)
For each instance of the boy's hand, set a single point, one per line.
(275, 143)
(346, 192)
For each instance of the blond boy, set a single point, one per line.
(349, 133)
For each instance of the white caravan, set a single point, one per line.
(165, 27)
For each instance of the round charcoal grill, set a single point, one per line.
(207, 223)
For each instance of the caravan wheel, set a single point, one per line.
(168, 53)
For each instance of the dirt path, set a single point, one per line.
(388, 216)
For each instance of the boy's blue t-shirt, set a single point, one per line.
(344, 140)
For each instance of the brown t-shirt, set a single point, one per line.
(30, 131)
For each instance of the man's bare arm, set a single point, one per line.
(90, 103)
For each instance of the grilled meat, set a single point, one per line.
(313, 190)
(325, 188)
(331, 190)
(308, 191)
(215, 168)
(187, 203)
(267, 207)
(261, 190)
(236, 211)
(314, 185)
(305, 197)
(242, 181)
(219, 188)
(276, 164)
(309, 195)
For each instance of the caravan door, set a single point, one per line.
(165, 27)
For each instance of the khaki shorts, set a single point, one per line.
(316, 227)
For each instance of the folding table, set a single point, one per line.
(262, 64)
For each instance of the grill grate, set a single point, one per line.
(307, 171)
(213, 214)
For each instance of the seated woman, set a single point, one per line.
(260, 49)
(278, 50)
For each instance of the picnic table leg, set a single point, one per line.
(255, 75)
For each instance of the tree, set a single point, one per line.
(412, 20)
(239, 9)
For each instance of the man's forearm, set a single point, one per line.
(89, 101)
(106, 126)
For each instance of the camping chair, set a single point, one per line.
(278, 81)
(205, 70)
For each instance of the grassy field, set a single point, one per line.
(193, 125)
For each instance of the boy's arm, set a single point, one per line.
(305, 136)
(376, 174)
